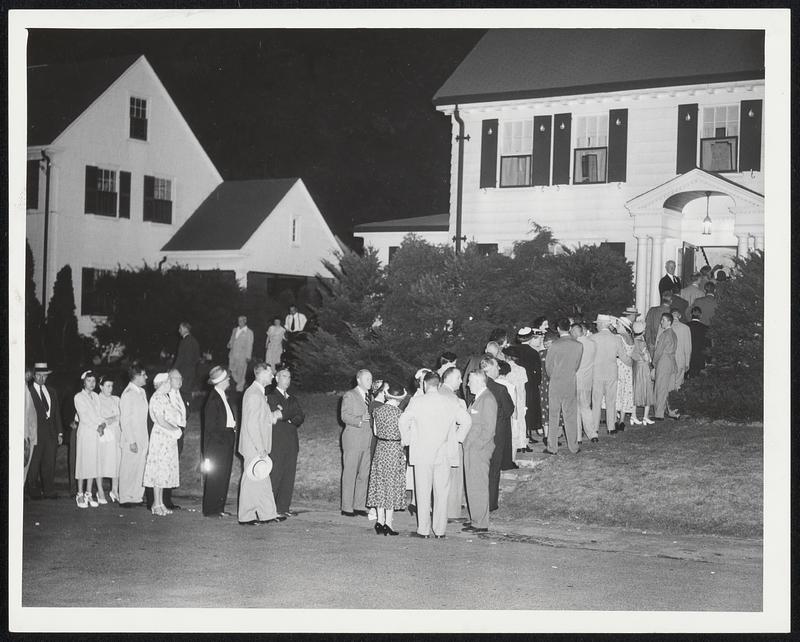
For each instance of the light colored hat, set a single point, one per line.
(523, 334)
(638, 327)
(422, 372)
(258, 469)
(87, 373)
(626, 323)
(631, 309)
(604, 318)
(391, 396)
(160, 378)
(41, 368)
(218, 374)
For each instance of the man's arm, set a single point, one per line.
(352, 409)
(294, 413)
(463, 420)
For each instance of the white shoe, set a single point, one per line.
(80, 499)
(113, 496)
(647, 421)
(634, 421)
(91, 500)
(101, 500)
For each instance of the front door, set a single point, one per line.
(688, 252)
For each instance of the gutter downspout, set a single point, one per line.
(460, 178)
(46, 230)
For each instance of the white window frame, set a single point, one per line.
(516, 141)
(712, 117)
(590, 134)
(148, 116)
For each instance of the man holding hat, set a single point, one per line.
(218, 438)
(285, 443)
(256, 501)
(49, 435)
(608, 348)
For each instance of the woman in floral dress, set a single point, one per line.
(161, 469)
(625, 373)
(387, 479)
(643, 394)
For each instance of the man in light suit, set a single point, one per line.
(608, 348)
(356, 441)
(584, 378)
(256, 501)
(133, 443)
(428, 425)
(652, 321)
(49, 435)
(707, 303)
(240, 351)
(562, 362)
(451, 381)
(683, 349)
(478, 448)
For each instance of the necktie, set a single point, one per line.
(44, 401)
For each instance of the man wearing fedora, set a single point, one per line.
(285, 442)
(256, 501)
(605, 374)
(218, 438)
(49, 435)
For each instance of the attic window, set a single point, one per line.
(138, 128)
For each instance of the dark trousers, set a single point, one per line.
(43, 465)
(496, 465)
(504, 444)
(285, 447)
(219, 452)
(533, 415)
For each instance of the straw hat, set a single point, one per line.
(41, 368)
(258, 469)
(160, 378)
(218, 374)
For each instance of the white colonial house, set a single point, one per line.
(115, 174)
(649, 141)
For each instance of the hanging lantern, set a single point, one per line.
(707, 219)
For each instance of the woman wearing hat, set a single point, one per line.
(387, 478)
(624, 373)
(642, 381)
(91, 426)
(108, 448)
(161, 468)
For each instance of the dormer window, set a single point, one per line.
(138, 117)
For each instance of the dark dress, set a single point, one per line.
(387, 475)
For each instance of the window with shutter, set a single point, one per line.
(101, 191)
(750, 135)
(157, 200)
(124, 194)
(591, 149)
(32, 186)
(719, 142)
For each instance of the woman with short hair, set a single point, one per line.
(108, 447)
(276, 337)
(161, 469)
(90, 426)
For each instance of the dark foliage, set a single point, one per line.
(63, 344)
(34, 313)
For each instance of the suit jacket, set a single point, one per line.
(708, 306)
(585, 372)
(563, 359)
(186, 360)
(609, 348)
(214, 419)
(667, 285)
(257, 421)
(480, 437)
(652, 325)
(683, 347)
(691, 293)
(240, 349)
(664, 355)
(460, 430)
(680, 303)
(698, 331)
(505, 404)
(354, 408)
(428, 426)
(133, 414)
(46, 428)
(289, 406)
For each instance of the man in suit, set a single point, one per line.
(240, 349)
(502, 432)
(218, 438)
(653, 320)
(678, 301)
(584, 377)
(527, 355)
(256, 500)
(356, 441)
(692, 291)
(31, 423)
(49, 435)
(664, 362)
(186, 359)
(451, 381)
(698, 330)
(707, 303)
(562, 362)
(285, 443)
(608, 348)
(133, 416)
(683, 348)
(669, 281)
(427, 425)
(478, 448)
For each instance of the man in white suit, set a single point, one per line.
(683, 349)
(428, 426)
(240, 351)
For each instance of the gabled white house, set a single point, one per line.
(126, 173)
(627, 137)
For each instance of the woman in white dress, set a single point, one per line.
(161, 469)
(90, 426)
(108, 448)
(276, 335)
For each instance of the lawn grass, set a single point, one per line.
(686, 476)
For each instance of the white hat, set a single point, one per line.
(258, 469)
(523, 334)
(218, 374)
(604, 318)
(160, 378)
(421, 373)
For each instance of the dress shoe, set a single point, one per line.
(480, 530)
(274, 520)
(379, 529)
(658, 418)
(439, 536)
(621, 426)
(225, 514)
(388, 530)
(595, 440)
(673, 415)
(548, 452)
(360, 513)
(348, 513)
(280, 518)
(252, 522)
(416, 534)
(469, 528)
(289, 513)
(412, 509)
(173, 506)
(513, 466)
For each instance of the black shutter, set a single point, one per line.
(541, 149)
(687, 138)
(32, 186)
(148, 212)
(90, 198)
(489, 153)
(750, 135)
(124, 194)
(562, 137)
(617, 145)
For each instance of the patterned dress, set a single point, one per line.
(625, 382)
(387, 476)
(161, 469)
(642, 383)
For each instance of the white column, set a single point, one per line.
(656, 268)
(641, 274)
(743, 243)
(759, 241)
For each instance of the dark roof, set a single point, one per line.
(58, 94)
(509, 64)
(432, 223)
(230, 215)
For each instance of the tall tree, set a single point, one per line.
(63, 343)
(34, 344)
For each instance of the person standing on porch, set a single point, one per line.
(240, 352)
(295, 321)
(669, 281)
